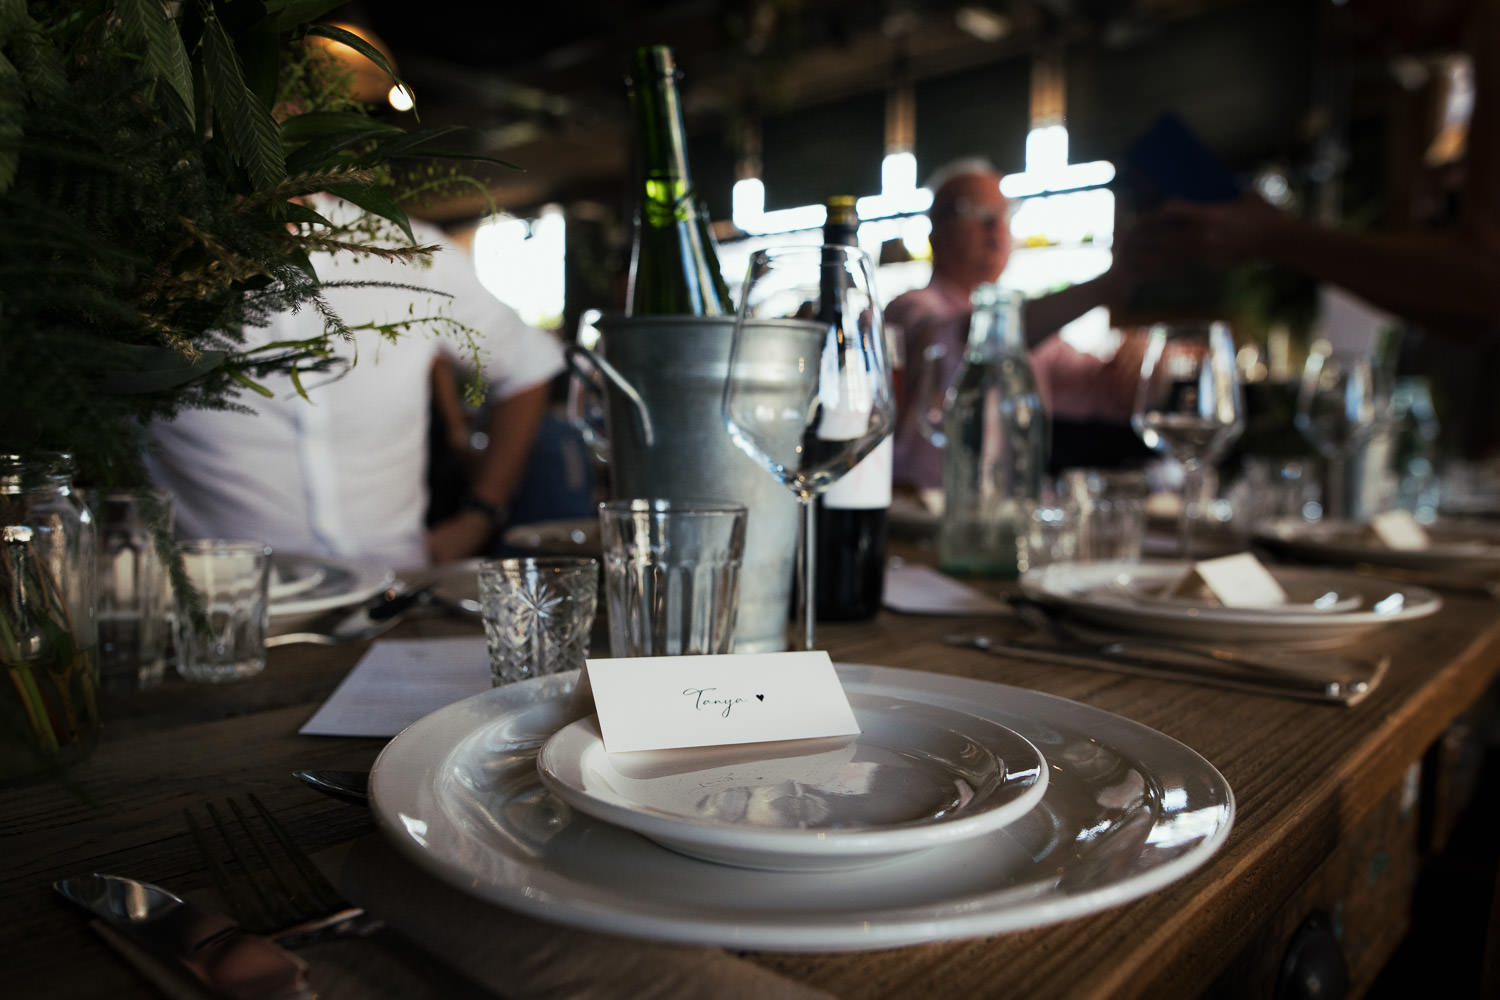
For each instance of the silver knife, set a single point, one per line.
(229, 960)
(1190, 667)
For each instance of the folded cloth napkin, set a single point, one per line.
(522, 958)
(921, 590)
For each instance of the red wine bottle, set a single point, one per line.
(852, 514)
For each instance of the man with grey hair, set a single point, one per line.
(971, 245)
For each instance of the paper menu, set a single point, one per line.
(921, 590)
(398, 681)
(666, 702)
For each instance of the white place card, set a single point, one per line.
(663, 702)
(1398, 529)
(1237, 581)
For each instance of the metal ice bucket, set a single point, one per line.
(663, 383)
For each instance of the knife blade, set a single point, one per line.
(210, 946)
(1345, 692)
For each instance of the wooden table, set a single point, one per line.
(1335, 815)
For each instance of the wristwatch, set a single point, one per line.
(497, 514)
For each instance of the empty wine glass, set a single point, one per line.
(814, 306)
(1189, 405)
(1339, 408)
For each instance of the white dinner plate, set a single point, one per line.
(293, 574)
(1126, 811)
(1468, 546)
(917, 776)
(342, 583)
(1099, 592)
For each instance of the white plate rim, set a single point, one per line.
(367, 580)
(402, 787)
(282, 592)
(799, 844)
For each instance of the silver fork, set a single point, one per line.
(273, 888)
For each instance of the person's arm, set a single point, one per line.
(447, 396)
(1130, 264)
(514, 422)
(1044, 315)
(1447, 281)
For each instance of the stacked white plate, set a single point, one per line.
(965, 808)
(304, 586)
(917, 776)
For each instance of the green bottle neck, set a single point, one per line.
(666, 194)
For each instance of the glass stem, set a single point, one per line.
(1338, 503)
(809, 554)
(1192, 489)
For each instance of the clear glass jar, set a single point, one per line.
(49, 714)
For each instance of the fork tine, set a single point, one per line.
(318, 886)
(273, 907)
(244, 906)
(287, 899)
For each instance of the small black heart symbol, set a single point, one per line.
(761, 697)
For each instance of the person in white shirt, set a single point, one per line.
(342, 473)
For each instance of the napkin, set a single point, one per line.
(522, 958)
(398, 681)
(921, 590)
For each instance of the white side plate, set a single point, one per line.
(916, 777)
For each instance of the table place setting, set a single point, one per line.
(459, 793)
(775, 801)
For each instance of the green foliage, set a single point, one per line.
(152, 158)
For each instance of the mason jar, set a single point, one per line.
(49, 714)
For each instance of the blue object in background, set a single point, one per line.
(1169, 161)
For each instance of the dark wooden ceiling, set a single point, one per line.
(541, 83)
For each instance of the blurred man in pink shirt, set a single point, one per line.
(971, 245)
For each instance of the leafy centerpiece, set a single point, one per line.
(156, 163)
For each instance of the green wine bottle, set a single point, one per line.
(674, 264)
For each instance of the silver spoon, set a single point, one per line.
(346, 786)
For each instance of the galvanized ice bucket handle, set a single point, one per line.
(592, 374)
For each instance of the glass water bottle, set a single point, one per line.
(996, 443)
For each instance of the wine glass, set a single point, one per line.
(1189, 405)
(812, 308)
(1339, 408)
